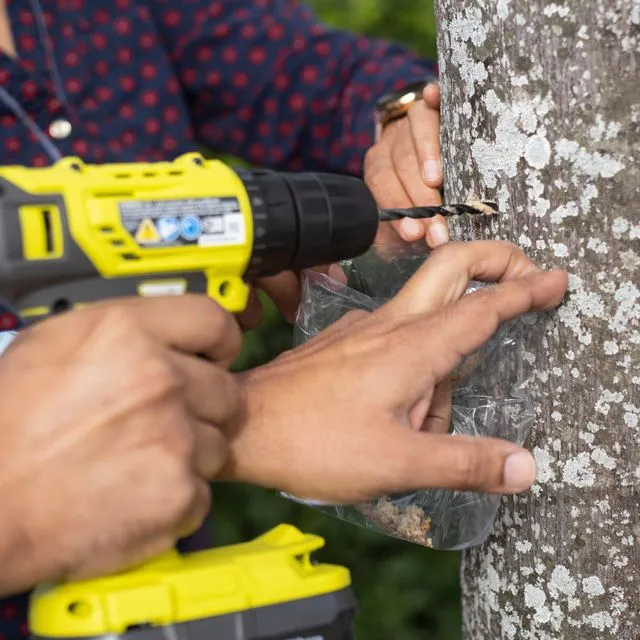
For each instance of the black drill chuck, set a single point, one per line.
(303, 220)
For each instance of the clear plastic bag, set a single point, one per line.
(489, 399)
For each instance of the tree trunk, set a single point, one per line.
(541, 111)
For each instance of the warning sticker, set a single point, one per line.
(147, 233)
(207, 222)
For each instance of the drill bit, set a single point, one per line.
(485, 208)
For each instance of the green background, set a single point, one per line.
(405, 592)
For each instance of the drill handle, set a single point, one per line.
(43, 302)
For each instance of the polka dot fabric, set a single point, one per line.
(147, 80)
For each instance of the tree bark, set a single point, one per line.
(541, 111)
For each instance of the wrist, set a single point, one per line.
(251, 459)
(395, 105)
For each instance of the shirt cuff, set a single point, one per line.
(6, 338)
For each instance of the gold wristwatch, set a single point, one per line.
(395, 105)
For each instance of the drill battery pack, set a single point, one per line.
(266, 589)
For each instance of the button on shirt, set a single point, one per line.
(147, 80)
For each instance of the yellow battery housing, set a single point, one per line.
(274, 569)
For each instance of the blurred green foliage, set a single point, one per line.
(411, 23)
(405, 592)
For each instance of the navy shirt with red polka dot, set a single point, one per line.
(149, 79)
(145, 80)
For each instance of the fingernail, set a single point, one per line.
(411, 229)
(438, 234)
(428, 87)
(519, 471)
(432, 170)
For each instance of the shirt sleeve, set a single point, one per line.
(267, 82)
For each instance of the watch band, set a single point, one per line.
(394, 106)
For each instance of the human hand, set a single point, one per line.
(110, 433)
(403, 168)
(356, 413)
(284, 290)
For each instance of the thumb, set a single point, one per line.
(465, 463)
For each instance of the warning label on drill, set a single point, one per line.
(206, 222)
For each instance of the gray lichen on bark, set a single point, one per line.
(541, 111)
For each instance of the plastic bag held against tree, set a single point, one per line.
(489, 399)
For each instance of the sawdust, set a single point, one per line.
(488, 208)
(466, 367)
(411, 524)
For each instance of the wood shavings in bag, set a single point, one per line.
(411, 524)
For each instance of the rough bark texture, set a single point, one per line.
(541, 110)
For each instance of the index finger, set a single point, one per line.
(193, 324)
(431, 95)
(446, 274)
(424, 123)
(461, 328)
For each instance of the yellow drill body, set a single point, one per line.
(128, 222)
(72, 234)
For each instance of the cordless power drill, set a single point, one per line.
(72, 234)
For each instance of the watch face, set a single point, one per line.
(414, 87)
